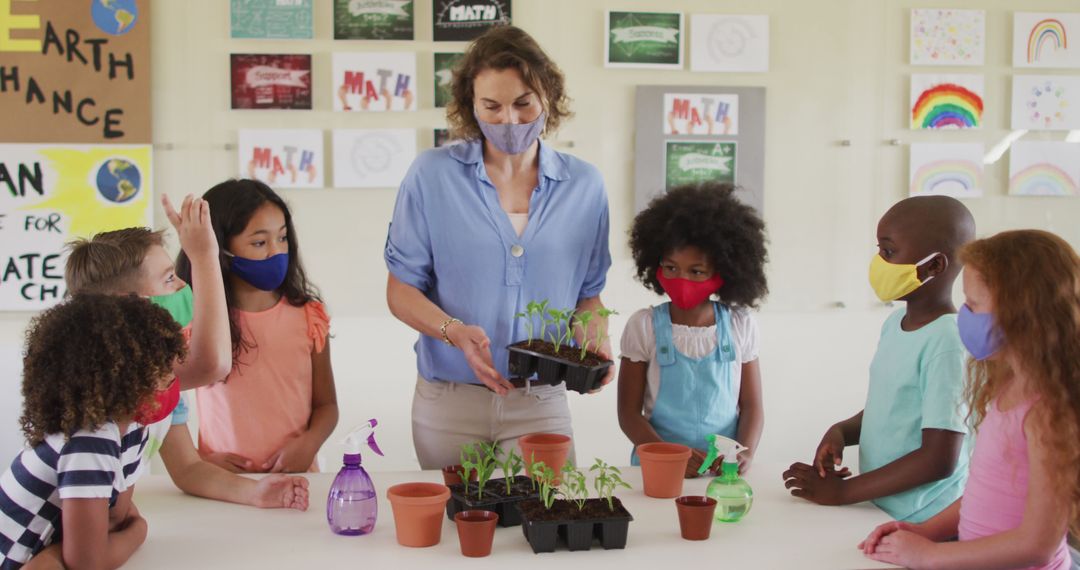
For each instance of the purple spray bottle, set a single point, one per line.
(352, 505)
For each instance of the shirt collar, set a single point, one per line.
(552, 164)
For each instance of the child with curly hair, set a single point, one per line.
(1020, 322)
(690, 366)
(91, 364)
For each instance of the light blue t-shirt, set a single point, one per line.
(159, 430)
(451, 239)
(916, 383)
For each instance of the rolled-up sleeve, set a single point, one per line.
(599, 259)
(408, 243)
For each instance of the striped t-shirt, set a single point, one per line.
(90, 465)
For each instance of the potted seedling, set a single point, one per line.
(565, 510)
(497, 495)
(548, 350)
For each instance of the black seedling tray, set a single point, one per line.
(504, 506)
(554, 370)
(578, 534)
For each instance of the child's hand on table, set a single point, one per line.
(280, 491)
(806, 482)
(898, 543)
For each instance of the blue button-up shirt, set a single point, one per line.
(451, 239)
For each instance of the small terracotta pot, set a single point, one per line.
(695, 516)
(418, 512)
(476, 530)
(663, 466)
(551, 448)
(451, 475)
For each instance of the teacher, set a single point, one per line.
(480, 228)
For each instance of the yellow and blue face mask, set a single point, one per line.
(892, 281)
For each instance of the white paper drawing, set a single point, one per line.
(282, 158)
(383, 81)
(1042, 39)
(947, 169)
(372, 158)
(1040, 168)
(948, 37)
(735, 43)
(1046, 102)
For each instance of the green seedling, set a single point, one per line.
(573, 486)
(511, 465)
(468, 465)
(487, 459)
(545, 477)
(532, 310)
(607, 480)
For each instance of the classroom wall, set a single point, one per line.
(838, 73)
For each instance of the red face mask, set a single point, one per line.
(165, 401)
(687, 294)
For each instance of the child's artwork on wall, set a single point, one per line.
(722, 42)
(1043, 40)
(698, 161)
(701, 114)
(643, 39)
(465, 20)
(946, 101)
(948, 37)
(372, 158)
(444, 74)
(947, 169)
(373, 19)
(1039, 168)
(271, 81)
(52, 194)
(1046, 102)
(271, 19)
(282, 158)
(384, 81)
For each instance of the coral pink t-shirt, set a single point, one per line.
(266, 399)
(997, 485)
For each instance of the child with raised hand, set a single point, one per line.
(911, 434)
(134, 261)
(277, 406)
(690, 366)
(1020, 322)
(91, 364)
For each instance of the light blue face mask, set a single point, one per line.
(510, 138)
(980, 336)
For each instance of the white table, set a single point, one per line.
(779, 532)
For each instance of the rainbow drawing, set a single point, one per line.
(1048, 32)
(947, 105)
(947, 178)
(1043, 179)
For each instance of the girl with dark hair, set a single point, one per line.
(278, 405)
(690, 366)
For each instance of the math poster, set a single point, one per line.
(701, 114)
(51, 194)
(72, 75)
(282, 158)
(465, 20)
(270, 81)
(382, 81)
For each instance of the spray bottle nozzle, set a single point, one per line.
(720, 445)
(366, 433)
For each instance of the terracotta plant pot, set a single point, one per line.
(451, 475)
(476, 530)
(663, 466)
(695, 516)
(551, 448)
(418, 512)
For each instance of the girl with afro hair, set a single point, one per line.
(690, 366)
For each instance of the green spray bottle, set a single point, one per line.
(733, 495)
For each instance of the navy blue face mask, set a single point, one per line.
(265, 274)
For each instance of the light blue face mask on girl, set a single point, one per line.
(265, 274)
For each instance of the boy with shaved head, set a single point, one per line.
(912, 437)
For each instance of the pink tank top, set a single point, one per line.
(997, 485)
(266, 399)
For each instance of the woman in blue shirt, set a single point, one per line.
(480, 228)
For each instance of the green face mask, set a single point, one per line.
(179, 305)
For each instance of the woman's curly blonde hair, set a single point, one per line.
(94, 359)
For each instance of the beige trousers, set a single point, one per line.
(446, 415)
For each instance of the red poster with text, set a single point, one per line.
(271, 81)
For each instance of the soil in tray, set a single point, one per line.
(567, 511)
(566, 353)
(495, 490)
